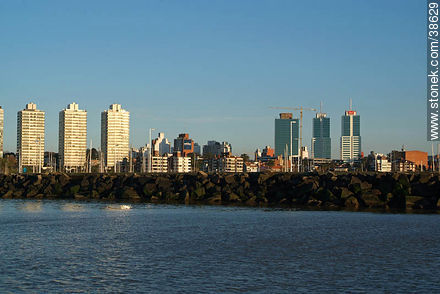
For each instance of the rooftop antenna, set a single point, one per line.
(320, 107)
(350, 104)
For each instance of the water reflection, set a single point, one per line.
(72, 207)
(118, 207)
(34, 206)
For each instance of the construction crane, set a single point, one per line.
(300, 109)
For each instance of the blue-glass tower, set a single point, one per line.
(286, 135)
(321, 141)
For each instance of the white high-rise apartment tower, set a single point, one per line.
(30, 137)
(72, 144)
(115, 135)
(1, 131)
(350, 136)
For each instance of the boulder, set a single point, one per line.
(199, 193)
(149, 189)
(80, 197)
(232, 197)
(252, 201)
(366, 186)
(352, 202)
(355, 180)
(74, 189)
(345, 193)
(372, 200)
(215, 199)
(8, 194)
(130, 193)
(202, 174)
(229, 179)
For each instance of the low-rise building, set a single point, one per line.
(379, 162)
(267, 154)
(251, 167)
(159, 164)
(409, 160)
(231, 164)
(179, 164)
(224, 164)
(383, 164)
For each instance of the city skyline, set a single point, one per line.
(212, 69)
(285, 130)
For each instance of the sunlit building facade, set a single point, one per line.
(115, 135)
(30, 138)
(72, 145)
(350, 145)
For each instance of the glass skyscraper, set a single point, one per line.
(350, 136)
(321, 141)
(283, 126)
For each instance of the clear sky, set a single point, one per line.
(212, 68)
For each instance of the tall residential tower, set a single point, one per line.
(30, 138)
(350, 136)
(115, 135)
(72, 145)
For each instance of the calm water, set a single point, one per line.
(56, 246)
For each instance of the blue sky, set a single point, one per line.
(212, 68)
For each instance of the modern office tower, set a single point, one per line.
(115, 135)
(1, 131)
(30, 138)
(350, 136)
(321, 141)
(72, 140)
(286, 135)
(161, 145)
(184, 145)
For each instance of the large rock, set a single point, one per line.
(130, 193)
(345, 193)
(215, 199)
(149, 189)
(199, 193)
(229, 179)
(352, 202)
(372, 200)
(232, 197)
(202, 174)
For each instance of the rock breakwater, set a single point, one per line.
(327, 191)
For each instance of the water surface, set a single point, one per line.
(66, 246)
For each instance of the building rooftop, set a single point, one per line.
(286, 115)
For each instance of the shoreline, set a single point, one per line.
(231, 205)
(364, 192)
